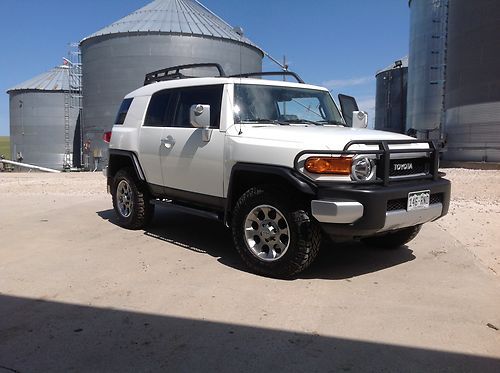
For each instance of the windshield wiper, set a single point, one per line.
(304, 121)
(263, 120)
(336, 122)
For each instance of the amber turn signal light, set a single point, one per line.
(329, 165)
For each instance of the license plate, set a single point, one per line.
(418, 200)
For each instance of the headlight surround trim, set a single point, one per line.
(363, 169)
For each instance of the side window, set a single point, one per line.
(157, 114)
(122, 112)
(205, 95)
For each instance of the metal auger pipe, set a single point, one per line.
(30, 166)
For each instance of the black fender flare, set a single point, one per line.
(299, 182)
(133, 158)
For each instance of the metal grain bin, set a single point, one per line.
(390, 98)
(426, 67)
(473, 81)
(163, 33)
(42, 130)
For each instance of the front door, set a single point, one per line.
(190, 164)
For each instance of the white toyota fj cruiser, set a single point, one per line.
(275, 161)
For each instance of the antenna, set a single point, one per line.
(239, 31)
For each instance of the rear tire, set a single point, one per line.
(273, 237)
(394, 239)
(131, 201)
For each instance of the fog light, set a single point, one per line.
(363, 169)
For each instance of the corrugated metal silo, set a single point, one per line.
(390, 97)
(473, 81)
(426, 67)
(163, 33)
(42, 128)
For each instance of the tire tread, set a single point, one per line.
(143, 211)
(308, 234)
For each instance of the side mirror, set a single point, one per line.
(348, 105)
(199, 116)
(359, 119)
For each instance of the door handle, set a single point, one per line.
(169, 142)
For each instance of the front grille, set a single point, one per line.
(401, 167)
(397, 204)
(436, 198)
(402, 203)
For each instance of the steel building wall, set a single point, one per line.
(37, 127)
(426, 67)
(390, 100)
(115, 65)
(473, 81)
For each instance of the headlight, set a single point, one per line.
(363, 169)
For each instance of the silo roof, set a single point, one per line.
(187, 17)
(404, 63)
(56, 79)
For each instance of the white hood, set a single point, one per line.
(317, 137)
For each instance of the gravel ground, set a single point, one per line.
(83, 185)
(474, 215)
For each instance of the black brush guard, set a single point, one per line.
(383, 155)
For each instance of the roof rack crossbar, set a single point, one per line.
(270, 73)
(171, 73)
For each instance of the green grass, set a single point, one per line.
(5, 146)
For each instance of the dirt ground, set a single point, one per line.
(79, 293)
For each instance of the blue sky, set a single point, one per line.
(336, 43)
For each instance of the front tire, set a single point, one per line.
(130, 201)
(273, 237)
(395, 239)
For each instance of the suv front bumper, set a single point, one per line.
(363, 210)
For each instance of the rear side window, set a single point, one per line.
(122, 112)
(157, 114)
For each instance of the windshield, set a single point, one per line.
(284, 105)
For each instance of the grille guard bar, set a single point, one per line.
(385, 156)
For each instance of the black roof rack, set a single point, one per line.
(174, 72)
(270, 73)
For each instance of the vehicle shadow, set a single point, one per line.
(205, 236)
(191, 232)
(340, 261)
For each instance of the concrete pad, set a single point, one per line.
(79, 293)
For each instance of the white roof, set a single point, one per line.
(150, 89)
(187, 17)
(56, 79)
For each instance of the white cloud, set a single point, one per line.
(342, 83)
(367, 104)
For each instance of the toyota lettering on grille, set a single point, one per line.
(403, 166)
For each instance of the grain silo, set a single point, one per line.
(473, 81)
(390, 97)
(426, 67)
(163, 33)
(43, 121)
